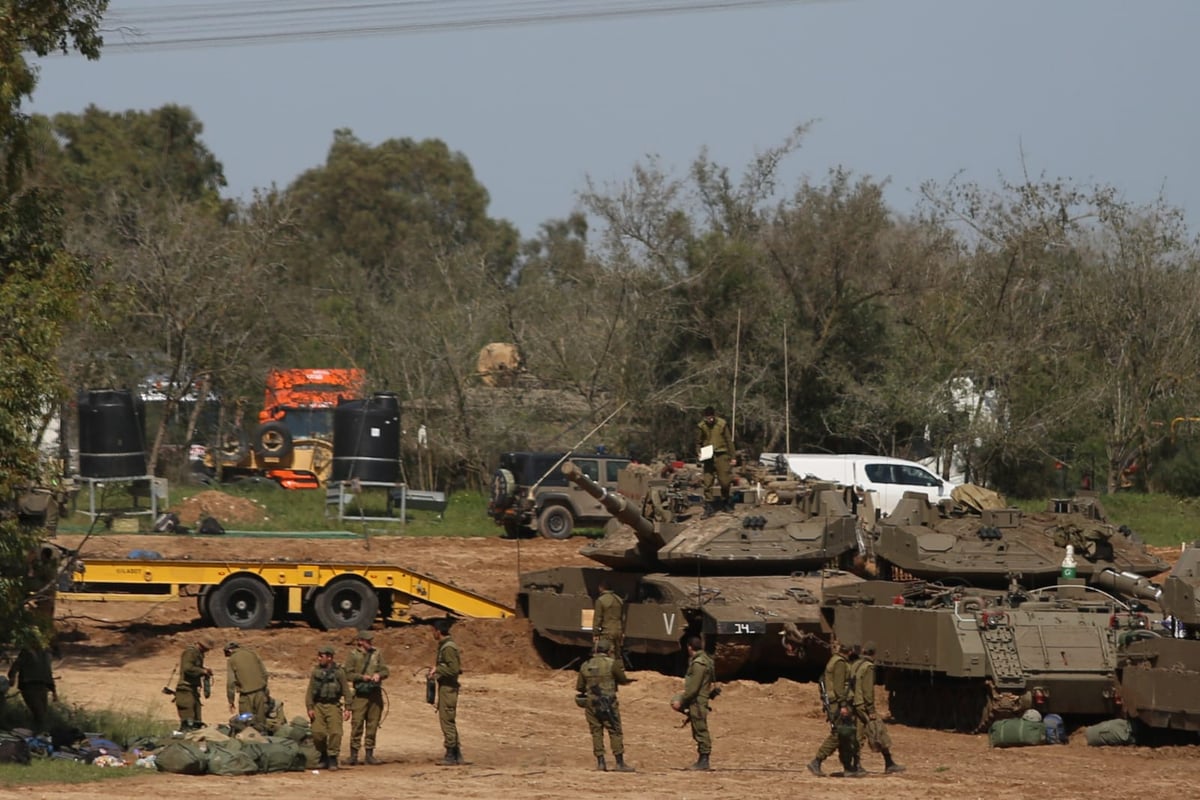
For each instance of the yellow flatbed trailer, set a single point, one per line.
(249, 594)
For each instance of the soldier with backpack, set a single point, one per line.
(327, 690)
(596, 694)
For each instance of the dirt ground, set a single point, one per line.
(520, 730)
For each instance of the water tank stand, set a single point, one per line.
(156, 488)
(342, 493)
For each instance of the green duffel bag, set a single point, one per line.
(1016, 733)
(277, 754)
(182, 757)
(230, 758)
(312, 757)
(1113, 732)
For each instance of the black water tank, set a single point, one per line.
(112, 439)
(366, 439)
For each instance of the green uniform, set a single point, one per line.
(366, 707)
(863, 675)
(247, 678)
(598, 680)
(840, 691)
(327, 688)
(697, 685)
(446, 672)
(191, 678)
(33, 674)
(608, 619)
(716, 469)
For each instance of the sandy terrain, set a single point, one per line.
(520, 730)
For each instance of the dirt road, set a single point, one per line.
(521, 732)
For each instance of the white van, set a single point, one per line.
(888, 478)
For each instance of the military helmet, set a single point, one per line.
(603, 646)
(325, 650)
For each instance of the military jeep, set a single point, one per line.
(530, 493)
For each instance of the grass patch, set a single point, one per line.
(57, 770)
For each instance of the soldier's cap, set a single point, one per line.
(844, 646)
(365, 636)
(325, 650)
(205, 644)
(869, 648)
(709, 411)
(603, 646)
(231, 646)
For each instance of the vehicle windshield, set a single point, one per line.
(309, 422)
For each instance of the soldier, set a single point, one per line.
(32, 673)
(365, 670)
(697, 688)
(608, 618)
(327, 688)
(445, 672)
(838, 697)
(596, 694)
(869, 727)
(713, 431)
(247, 679)
(193, 678)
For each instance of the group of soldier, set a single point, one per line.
(336, 693)
(847, 693)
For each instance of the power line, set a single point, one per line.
(226, 23)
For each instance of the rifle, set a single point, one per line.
(602, 706)
(167, 690)
(824, 697)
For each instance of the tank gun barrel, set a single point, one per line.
(615, 504)
(1128, 583)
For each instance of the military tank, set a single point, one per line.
(1159, 672)
(738, 577)
(980, 615)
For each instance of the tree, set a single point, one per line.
(39, 284)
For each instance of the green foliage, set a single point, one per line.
(61, 771)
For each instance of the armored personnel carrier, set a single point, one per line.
(982, 615)
(1159, 674)
(737, 577)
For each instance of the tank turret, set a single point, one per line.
(738, 578)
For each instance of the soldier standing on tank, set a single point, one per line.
(608, 619)
(838, 698)
(366, 671)
(247, 680)
(713, 431)
(869, 726)
(445, 671)
(596, 693)
(327, 689)
(33, 674)
(697, 688)
(193, 675)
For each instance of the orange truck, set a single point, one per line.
(293, 443)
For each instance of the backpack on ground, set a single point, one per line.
(1056, 732)
(1016, 733)
(1113, 732)
(230, 758)
(276, 754)
(13, 749)
(182, 757)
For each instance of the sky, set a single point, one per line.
(1097, 91)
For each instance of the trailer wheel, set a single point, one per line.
(242, 602)
(346, 603)
(204, 605)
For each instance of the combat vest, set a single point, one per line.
(327, 684)
(598, 671)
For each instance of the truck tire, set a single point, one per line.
(346, 603)
(504, 487)
(272, 440)
(242, 601)
(556, 522)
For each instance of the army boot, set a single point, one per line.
(450, 759)
(889, 765)
(371, 759)
(600, 765)
(458, 756)
(855, 770)
(333, 763)
(814, 767)
(701, 762)
(353, 757)
(709, 510)
(622, 766)
(324, 762)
